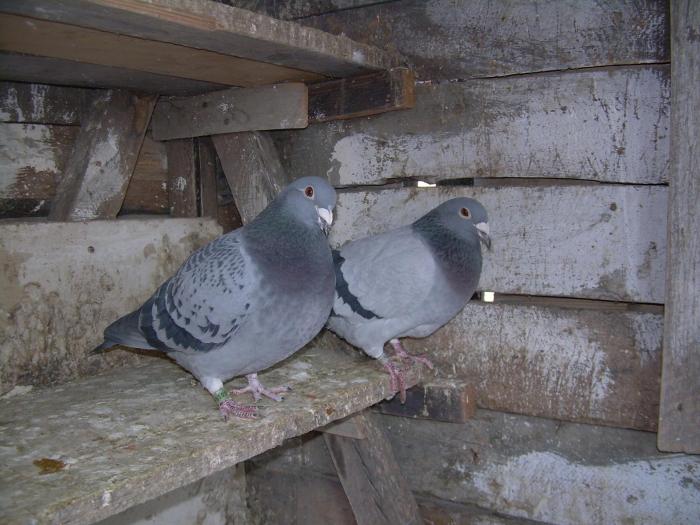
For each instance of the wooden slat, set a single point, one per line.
(79, 278)
(679, 423)
(215, 27)
(376, 489)
(206, 156)
(253, 170)
(609, 126)
(282, 106)
(182, 178)
(597, 241)
(103, 158)
(597, 366)
(126, 415)
(444, 40)
(69, 42)
(29, 68)
(361, 96)
(451, 400)
(42, 104)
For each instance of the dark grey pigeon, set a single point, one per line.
(408, 282)
(246, 300)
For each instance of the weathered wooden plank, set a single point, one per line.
(535, 468)
(129, 417)
(42, 104)
(377, 491)
(252, 169)
(444, 39)
(597, 241)
(28, 68)
(49, 318)
(282, 106)
(607, 126)
(206, 157)
(362, 96)
(348, 427)
(215, 27)
(182, 178)
(300, 8)
(679, 422)
(103, 158)
(597, 366)
(33, 159)
(70, 42)
(451, 400)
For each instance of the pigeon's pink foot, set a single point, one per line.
(256, 388)
(229, 408)
(405, 356)
(398, 380)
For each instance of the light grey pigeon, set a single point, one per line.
(246, 300)
(408, 282)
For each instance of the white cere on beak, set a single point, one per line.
(326, 215)
(483, 227)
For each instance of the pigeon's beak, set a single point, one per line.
(326, 219)
(483, 229)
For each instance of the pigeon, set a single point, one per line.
(246, 300)
(408, 282)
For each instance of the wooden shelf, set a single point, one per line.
(169, 46)
(81, 452)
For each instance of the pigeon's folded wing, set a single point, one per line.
(385, 275)
(205, 302)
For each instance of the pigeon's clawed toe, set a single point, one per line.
(406, 357)
(398, 379)
(258, 390)
(229, 408)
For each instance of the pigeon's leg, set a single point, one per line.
(398, 379)
(256, 388)
(405, 356)
(228, 407)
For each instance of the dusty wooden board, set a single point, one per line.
(444, 39)
(452, 400)
(218, 28)
(679, 423)
(283, 106)
(49, 317)
(300, 8)
(597, 366)
(362, 96)
(33, 158)
(530, 468)
(607, 126)
(137, 433)
(597, 241)
(69, 42)
(182, 178)
(42, 104)
(252, 169)
(206, 158)
(371, 477)
(28, 68)
(103, 158)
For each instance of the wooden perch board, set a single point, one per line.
(101, 445)
(193, 39)
(282, 106)
(103, 157)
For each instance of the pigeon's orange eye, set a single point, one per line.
(464, 212)
(309, 192)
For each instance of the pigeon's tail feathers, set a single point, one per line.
(125, 331)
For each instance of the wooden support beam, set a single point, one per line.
(373, 483)
(182, 178)
(361, 96)
(103, 158)
(206, 158)
(679, 418)
(280, 106)
(347, 427)
(252, 169)
(448, 400)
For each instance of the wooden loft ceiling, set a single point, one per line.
(169, 46)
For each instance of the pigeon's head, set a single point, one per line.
(313, 199)
(464, 217)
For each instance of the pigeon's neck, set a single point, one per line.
(458, 255)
